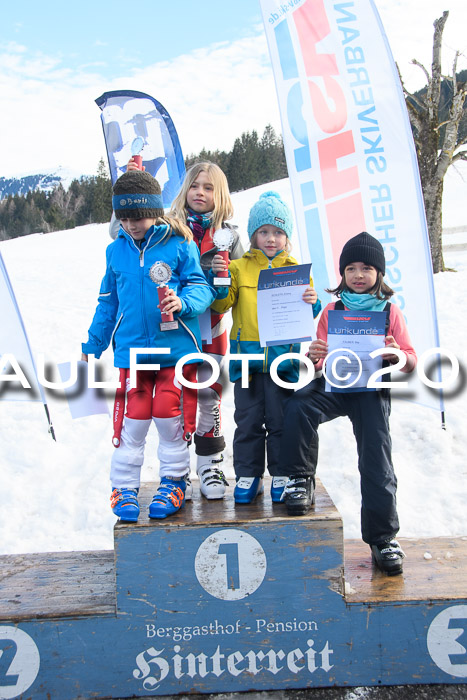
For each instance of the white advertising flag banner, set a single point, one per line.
(350, 153)
(16, 358)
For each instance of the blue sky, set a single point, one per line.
(118, 35)
(206, 62)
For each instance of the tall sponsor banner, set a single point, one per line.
(19, 381)
(130, 117)
(350, 153)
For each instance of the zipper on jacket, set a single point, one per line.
(141, 250)
(141, 264)
(142, 296)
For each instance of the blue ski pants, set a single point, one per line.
(258, 417)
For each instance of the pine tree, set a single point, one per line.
(220, 158)
(272, 158)
(251, 162)
(244, 169)
(101, 207)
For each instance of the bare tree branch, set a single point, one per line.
(462, 155)
(414, 117)
(413, 98)
(410, 95)
(420, 65)
(436, 135)
(434, 83)
(435, 140)
(454, 71)
(441, 124)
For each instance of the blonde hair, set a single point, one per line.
(176, 226)
(223, 207)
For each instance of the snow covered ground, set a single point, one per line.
(55, 495)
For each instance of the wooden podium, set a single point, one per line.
(224, 597)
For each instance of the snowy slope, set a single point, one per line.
(55, 495)
(43, 181)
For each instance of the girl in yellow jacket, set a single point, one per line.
(259, 407)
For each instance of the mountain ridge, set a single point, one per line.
(44, 181)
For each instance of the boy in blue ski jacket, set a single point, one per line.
(128, 315)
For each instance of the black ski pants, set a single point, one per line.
(258, 417)
(369, 413)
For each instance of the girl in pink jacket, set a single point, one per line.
(362, 289)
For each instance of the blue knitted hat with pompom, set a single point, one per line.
(270, 209)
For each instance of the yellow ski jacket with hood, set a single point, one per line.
(241, 296)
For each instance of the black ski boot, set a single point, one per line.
(388, 557)
(299, 495)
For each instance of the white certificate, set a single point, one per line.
(82, 399)
(283, 316)
(352, 336)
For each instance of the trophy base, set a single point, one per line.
(222, 281)
(168, 325)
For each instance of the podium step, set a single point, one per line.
(57, 584)
(201, 511)
(434, 569)
(60, 584)
(231, 539)
(228, 598)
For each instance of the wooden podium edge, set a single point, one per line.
(83, 583)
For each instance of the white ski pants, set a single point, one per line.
(127, 460)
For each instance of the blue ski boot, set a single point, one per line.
(169, 497)
(247, 488)
(278, 485)
(124, 504)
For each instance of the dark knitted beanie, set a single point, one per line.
(363, 248)
(137, 195)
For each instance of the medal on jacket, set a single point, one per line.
(222, 239)
(160, 273)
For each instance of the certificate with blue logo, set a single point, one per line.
(352, 336)
(283, 316)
